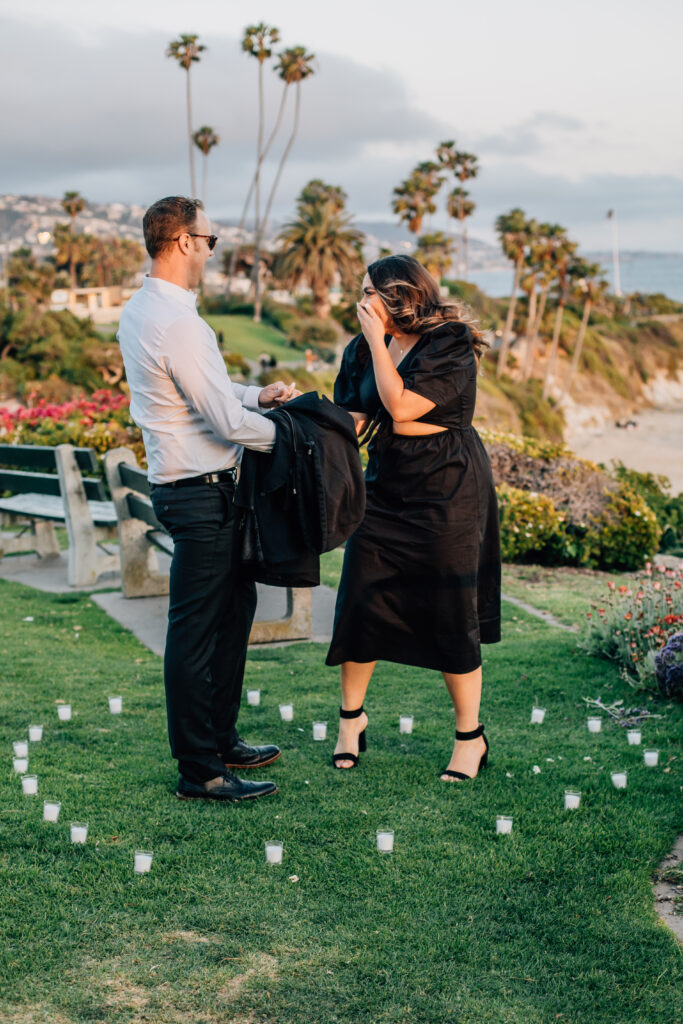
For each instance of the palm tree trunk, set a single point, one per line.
(245, 209)
(579, 344)
(533, 340)
(553, 348)
(465, 250)
(321, 301)
(255, 280)
(205, 175)
(193, 183)
(283, 160)
(509, 320)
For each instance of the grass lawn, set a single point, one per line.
(241, 334)
(552, 923)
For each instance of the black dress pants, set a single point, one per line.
(211, 610)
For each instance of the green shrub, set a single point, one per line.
(236, 363)
(529, 525)
(668, 508)
(627, 533)
(319, 335)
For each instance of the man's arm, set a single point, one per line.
(194, 363)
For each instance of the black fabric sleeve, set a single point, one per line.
(444, 366)
(347, 384)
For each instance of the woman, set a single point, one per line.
(420, 583)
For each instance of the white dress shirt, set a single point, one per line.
(193, 418)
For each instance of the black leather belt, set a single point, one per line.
(206, 478)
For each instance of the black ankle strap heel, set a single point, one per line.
(362, 741)
(472, 735)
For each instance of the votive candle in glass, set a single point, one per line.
(29, 785)
(503, 824)
(20, 748)
(405, 723)
(79, 832)
(537, 715)
(319, 730)
(634, 737)
(116, 705)
(253, 698)
(651, 758)
(274, 852)
(595, 724)
(64, 712)
(51, 810)
(619, 780)
(287, 712)
(20, 765)
(35, 733)
(572, 799)
(143, 862)
(385, 840)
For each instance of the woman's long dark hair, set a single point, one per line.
(413, 301)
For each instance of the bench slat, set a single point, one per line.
(47, 506)
(140, 509)
(161, 540)
(40, 456)
(20, 482)
(135, 478)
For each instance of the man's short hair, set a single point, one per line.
(168, 218)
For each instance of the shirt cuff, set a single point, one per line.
(250, 397)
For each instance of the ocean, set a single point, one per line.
(641, 272)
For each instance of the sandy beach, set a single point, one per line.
(654, 446)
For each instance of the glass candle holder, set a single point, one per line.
(619, 780)
(503, 825)
(287, 712)
(319, 730)
(274, 851)
(51, 810)
(20, 765)
(116, 705)
(537, 715)
(634, 737)
(594, 724)
(20, 748)
(29, 785)
(572, 799)
(79, 832)
(405, 723)
(253, 698)
(35, 733)
(143, 862)
(385, 840)
(64, 712)
(651, 758)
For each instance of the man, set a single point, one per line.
(194, 422)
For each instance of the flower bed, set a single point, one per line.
(635, 623)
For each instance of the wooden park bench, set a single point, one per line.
(141, 535)
(40, 497)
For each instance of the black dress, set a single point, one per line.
(420, 583)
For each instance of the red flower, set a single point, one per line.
(628, 616)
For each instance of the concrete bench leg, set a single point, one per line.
(140, 576)
(46, 544)
(36, 535)
(86, 561)
(296, 625)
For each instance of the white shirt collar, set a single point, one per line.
(172, 291)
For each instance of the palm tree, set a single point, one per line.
(542, 258)
(464, 166)
(316, 247)
(186, 51)
(73, 203)
(435, 253)
(564, 251)
(205, 139)
(587, 284)
(258, 42)
(514, 230)
(414, 197)
(293, 66)
(318, 191)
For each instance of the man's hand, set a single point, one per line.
(276, 394)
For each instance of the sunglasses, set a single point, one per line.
(210, 239)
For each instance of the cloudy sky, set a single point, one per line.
(572, 109)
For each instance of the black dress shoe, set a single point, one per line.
(223, 787)
(244, 756)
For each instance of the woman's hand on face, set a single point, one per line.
(371, 325)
